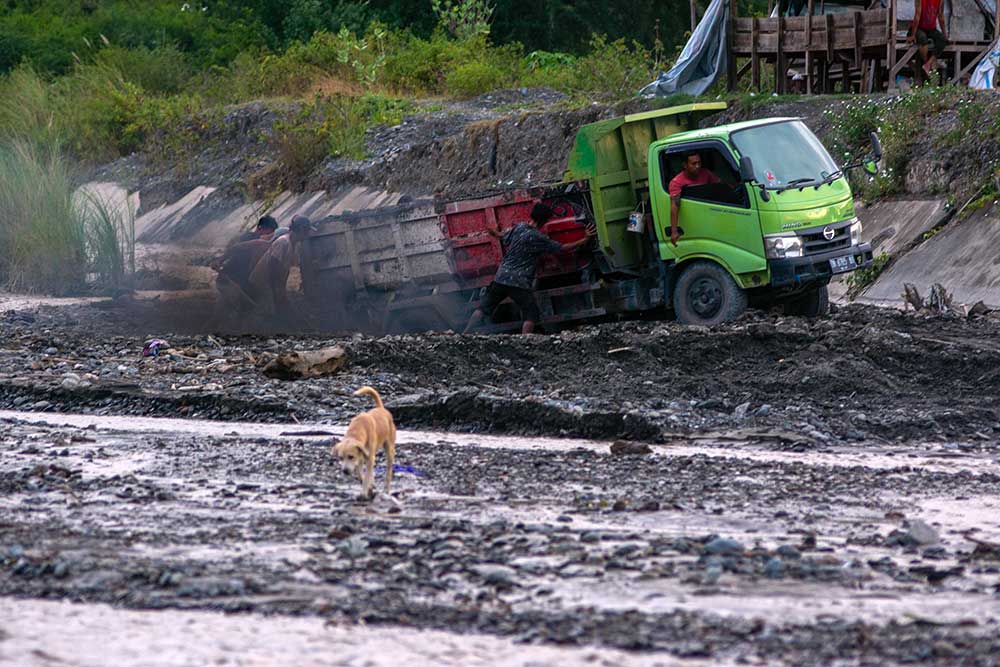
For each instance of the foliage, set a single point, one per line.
(614, 68)
(42, 240)
(50, 240)
(464, 19)
(858, 280)
(897, 121)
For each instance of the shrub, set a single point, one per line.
(475, 78)
(464, 19)
(614, 68)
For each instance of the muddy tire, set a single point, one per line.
(706, 295)
(813, 303)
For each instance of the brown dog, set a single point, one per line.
(366, 434)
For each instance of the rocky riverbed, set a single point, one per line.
(775, 491)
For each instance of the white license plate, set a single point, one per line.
(842, 264)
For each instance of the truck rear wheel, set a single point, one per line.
(706, 294)
(813, 303)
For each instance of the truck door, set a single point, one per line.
(717, 219)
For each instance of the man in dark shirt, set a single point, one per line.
(516, 276)
(234, 267)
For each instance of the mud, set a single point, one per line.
(817, 492)
(787, 561)
(862, 374)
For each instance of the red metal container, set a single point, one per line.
(474, 255)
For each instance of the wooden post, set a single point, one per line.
(809, 53)
(857, 40)
(694, 15)
(890, 63)
(731, 60)
(996, 23)
(780, 67)
(755, 56)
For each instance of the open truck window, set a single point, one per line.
(729, 191)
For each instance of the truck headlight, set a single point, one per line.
(856, 232)
(780, 247)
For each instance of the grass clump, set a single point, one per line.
(44, 244)
(858, 280)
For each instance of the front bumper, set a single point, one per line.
(799, 271)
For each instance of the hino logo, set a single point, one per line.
(829, 233)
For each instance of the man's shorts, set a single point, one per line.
(934, 38)
(524, 298)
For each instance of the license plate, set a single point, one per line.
(842, 264)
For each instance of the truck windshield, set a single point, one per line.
(784, 153)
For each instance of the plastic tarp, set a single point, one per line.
(702, 60)
(984, 76)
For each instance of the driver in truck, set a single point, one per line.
(515, 278)
(691, 173)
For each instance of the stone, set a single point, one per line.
(741, 410)
(922, 533)
(789, 552)
(722, 546)
(307, 364)
(496, 575)
(774, 568)
(624, 448)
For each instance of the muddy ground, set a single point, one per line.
(815, 492)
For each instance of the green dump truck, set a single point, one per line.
(774, 224)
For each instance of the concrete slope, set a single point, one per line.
(964, 257)
(892, 226)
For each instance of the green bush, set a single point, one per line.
(614, 69)
(471, 79)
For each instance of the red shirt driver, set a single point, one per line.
(691, 174)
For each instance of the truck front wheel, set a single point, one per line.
(706, 294)
(813, 303)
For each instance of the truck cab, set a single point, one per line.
(777, 217)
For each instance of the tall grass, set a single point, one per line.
(40, 233)
(50, 240)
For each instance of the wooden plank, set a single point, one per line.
(857, 39)
(352, 252)
(972, 63)
(755, 57)
(829, 37)
(890, 43)
(809, 45)
(731, 61)
(694, 15)
(404, 262)
(779, 62)
(891, 62)
(901, 62)
(996, 22)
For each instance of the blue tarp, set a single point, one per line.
(702, 60)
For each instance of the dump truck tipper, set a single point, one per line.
(774, 229)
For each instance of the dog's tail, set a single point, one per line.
(371, 392)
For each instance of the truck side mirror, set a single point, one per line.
(876, 146)
(746, 169)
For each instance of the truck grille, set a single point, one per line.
(814, 242)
